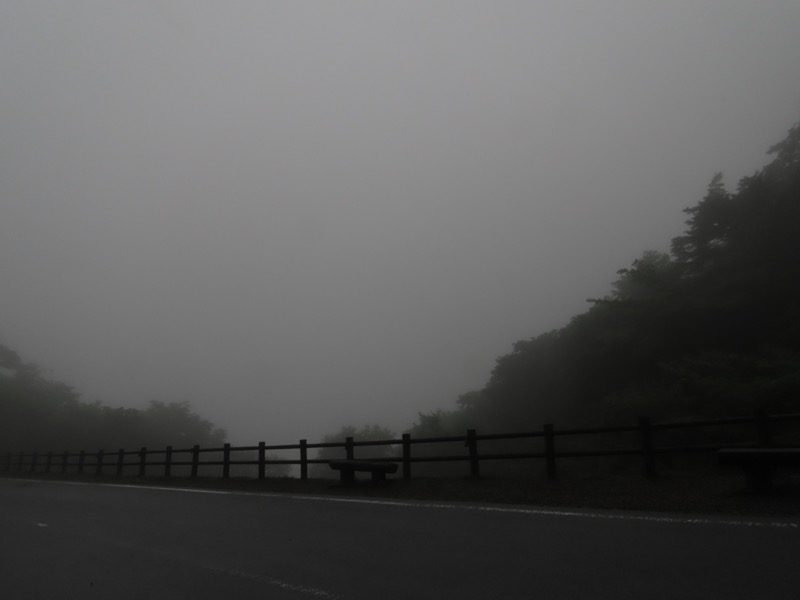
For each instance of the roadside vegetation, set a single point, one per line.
(38, 414)
(711, 328)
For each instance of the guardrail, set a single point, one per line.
(120, 462)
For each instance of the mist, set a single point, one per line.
(298, 216)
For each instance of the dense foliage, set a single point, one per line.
(39, 414)
(713, 327)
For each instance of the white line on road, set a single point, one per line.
(279, 583)
(617, 516)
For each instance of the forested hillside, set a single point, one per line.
(39, 414)
(711, 328)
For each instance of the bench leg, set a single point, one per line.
(378, 476)
(759, 478)
(347, 476)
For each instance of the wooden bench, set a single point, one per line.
(347, 469)
(758, 462)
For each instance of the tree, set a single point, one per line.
(530, 383)
(175, 421)
(715, 324)
(37, 414)
(9, 360)
(710, 224)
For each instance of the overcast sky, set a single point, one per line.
(301, 215)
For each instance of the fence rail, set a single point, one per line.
(103, 462)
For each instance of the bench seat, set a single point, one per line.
(758, 462)
(347, 469)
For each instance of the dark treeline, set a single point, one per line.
(38, 414)
(712, 328)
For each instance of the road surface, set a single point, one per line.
(86, 541)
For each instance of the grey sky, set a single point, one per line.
(302, 215)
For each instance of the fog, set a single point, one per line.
(299, 215)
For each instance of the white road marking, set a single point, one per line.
(586, 514)
(279, 583)
(305, 590)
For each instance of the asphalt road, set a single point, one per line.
(87, 541)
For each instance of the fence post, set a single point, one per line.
(20, 461)
(262, 457)
(49, 462)
(99, 467)
(348, 448)
(303, 459)
(120, 461)
(648, 455)
(9, 458)
(550, 450)
(472, 444)
(195, 460)
(406, 456)
(226, 461)
(168, 462)
(762, 429)
(34, 460)
(81, 461)
(64, 461)
(142, 461)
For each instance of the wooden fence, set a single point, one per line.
(758, 431)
